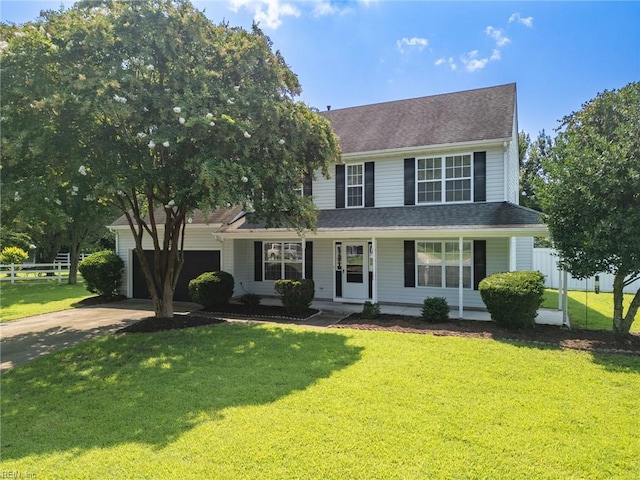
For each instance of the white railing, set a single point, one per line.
(33, 271)
(545, 260)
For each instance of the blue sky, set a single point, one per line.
(349, 53)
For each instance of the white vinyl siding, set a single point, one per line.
(495, 176)
(524, 253)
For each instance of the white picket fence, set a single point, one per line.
(546, 261)
(58, 269)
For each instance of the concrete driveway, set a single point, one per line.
(29, 338)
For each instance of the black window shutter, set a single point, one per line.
(340, 186)
(369, 189)
(479, 176)
(409, 263)
(308, 260)
(479, 261)
(307, 185)
(410, 181)
(257, 261)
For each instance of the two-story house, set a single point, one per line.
(424, 204)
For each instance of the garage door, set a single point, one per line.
(195, 263)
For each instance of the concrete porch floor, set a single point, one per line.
(545, 316)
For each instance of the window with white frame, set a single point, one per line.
(449, 174)
(355, 185)
(438, 264)
(283, 260)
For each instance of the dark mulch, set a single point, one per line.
(579, 339)
(154, 324)
(99, 299)
(261, 311)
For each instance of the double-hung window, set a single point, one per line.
(283, 260)
(444, 179)
(438, 264)
(355, 185)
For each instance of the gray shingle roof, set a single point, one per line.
(468, 215)
(481, 114)
(220, 215)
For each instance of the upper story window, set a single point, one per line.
(355, 185)
(444, 179)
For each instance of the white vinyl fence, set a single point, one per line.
(38, 271)
(546, 261)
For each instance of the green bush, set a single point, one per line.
(513, 298)
(102, 272)
(250, 300)
(370, 310)
(296, 295)
(435, 309)
(212, 289)
(13, 255)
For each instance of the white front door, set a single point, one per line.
(355, 271)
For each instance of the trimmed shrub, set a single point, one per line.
(14, 255)
(513, 298)
(102, 272)
(370, 310)
(296, 295)
(250, 300)
(435, 309)
(212, 289)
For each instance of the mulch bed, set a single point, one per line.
(554, 336)
(179, 321)
(261, 311)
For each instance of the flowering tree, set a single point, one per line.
(592, 194)
(170, 113)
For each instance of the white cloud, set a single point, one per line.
(471, 61)
(323, 8)
(497, 35)
(496, 55)
(414, 42)
(446, 61)
(527, 22)
(267, 12)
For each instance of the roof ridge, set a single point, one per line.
(388, 102)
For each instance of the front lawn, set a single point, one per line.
(27, 298)
(590, 310)
(240, 400)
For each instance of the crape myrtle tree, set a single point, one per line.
(173, 113)
(592, 196)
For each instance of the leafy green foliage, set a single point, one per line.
(250, 300)
(163, 112)
(435, 309)
(370, 310)
(102, 271)
(296, 295)
(212, 289)
(13, 255)
(532, 173)
(513, 298)
(593, 192)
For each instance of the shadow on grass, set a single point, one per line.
(152, 388)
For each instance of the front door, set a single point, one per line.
(355, 271)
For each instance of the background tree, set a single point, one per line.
(165, 113)
(592, 196)
(532, 174)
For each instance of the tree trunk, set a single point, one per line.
(74, 257)
(631, 312)
(618, 297)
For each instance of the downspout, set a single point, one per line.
(460, 280)
(374, 267)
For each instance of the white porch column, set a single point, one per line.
(374, 254)
(460, 281)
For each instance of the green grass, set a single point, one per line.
(590, 310)
(246, 401)
(24, 299)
